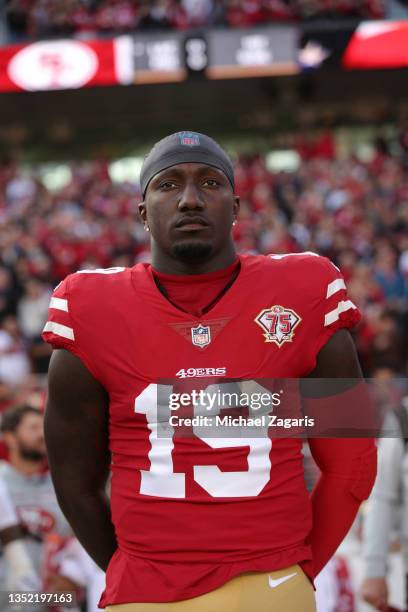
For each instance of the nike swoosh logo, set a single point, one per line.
(273, 583)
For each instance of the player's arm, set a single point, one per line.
(76, 434)
(348, 465)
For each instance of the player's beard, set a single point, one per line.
(192, 251)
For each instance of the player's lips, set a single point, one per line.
(191, 224)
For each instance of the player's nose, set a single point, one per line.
(190, 197)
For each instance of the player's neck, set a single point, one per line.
(166, 265)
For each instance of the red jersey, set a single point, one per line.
(190, 513)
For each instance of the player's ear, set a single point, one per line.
(142, 211)
(235, 206)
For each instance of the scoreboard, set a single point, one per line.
(215, 53)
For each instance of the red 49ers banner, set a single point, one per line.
(60, 64)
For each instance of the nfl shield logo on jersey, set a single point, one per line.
(189, 139)
(278, 324)
(200, 336)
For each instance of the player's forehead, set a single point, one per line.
(188, 169)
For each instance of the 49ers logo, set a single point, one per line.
(278, 324)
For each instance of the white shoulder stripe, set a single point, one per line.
(114, 270)
(59, 330)
(59, 304)
(281, 256)
(333, 315)
(335, 286)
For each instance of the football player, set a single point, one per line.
(199, 523)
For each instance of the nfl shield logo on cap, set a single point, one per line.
(189, 139)
(200, 336)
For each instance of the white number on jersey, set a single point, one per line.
(162, 481)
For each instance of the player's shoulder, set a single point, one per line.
(97, 280)
(99, 276)
(306, 262)
(311, 275)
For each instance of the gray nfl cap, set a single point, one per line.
(183, 147)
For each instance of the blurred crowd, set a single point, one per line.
(353, 211)
(37, 18)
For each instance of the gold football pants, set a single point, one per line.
(285, 590)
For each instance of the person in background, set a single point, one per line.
(14, 362)
(32, 308)
(19, 570)
(77, 566)
(389, 493)
(30, 491)
(32, 313)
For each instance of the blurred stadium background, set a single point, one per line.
(310, 97)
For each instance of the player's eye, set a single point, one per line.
(211, 183)
(167, 185)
